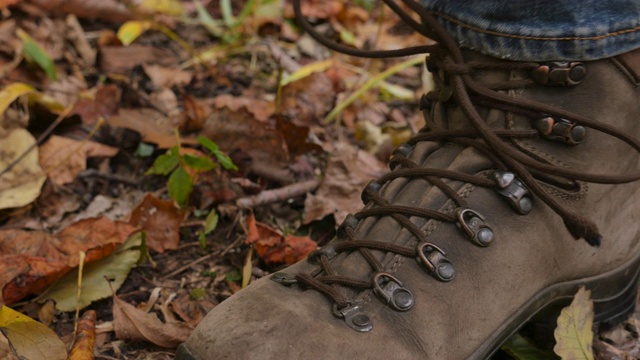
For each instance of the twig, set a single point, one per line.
(204, 258)
(110, 177)
(280, 194)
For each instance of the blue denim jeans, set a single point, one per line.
(542, 30)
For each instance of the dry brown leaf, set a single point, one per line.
(30, 261)
(131, 323)
(308, 100)
(6, 3)
(273, 248)
(152, 125)
(105, 103)
(192, 311)
(111, 10)
(161, 219)
(122, 59)
(164, 77)
(65, 158)
(240, 130)
(260, 109)
(85, 338)
(348, 171)
(296, 137)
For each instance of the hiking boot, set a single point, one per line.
(475, 231)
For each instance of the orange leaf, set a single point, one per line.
(161, 220)
(85, 337)
(30, 261)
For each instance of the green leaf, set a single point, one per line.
(115, 267)
(520, 348)
(202, 240)
(165, 163)
(211, 222)
(29, 338)
(144, 150)
(225, 160)
(197, 162)
(210, 145)
(574, 334)
(180, 186)
(35, 53)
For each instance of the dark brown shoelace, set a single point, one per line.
(512, 166)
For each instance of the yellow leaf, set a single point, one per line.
(21, 184)
(307, 70)
(246, 269)
(29, 338)
(574, 334)
(131, 30)
(170, 7)
(11, 92)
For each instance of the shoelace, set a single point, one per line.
(513, 176)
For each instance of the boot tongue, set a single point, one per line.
(448, 115)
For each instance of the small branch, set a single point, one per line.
(280, 194)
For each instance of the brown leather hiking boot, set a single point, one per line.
(473, 232)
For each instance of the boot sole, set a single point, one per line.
(614, 295)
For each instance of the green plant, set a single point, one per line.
(180, 167)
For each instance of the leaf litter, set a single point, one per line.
(105, 101)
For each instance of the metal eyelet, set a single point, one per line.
(354, 317)
(350, 222)
(372, 186)
(434, 259)
(390, 290)
(560, 73)
(328, 250)
(284, 278)
(560, 130)
(514, 190)
(472, 224)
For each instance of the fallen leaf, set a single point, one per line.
(161, 219)
(246, 269)
(65, 158)
(308, 100)
(260, 109)
(131, 30)
(273, 248)
(348, 171)
(29, 338)
(30, 261)
(6, 3)
(131, 323)
(85, 338)
(192, 311)
(522, 349)
(105, 103)
(296, 137)
(152, 125)
(122, 59)
(164, 77)
(169, 7)
(35, 53)
(11, 92)
(20, 185)
(574, 333)
(95, 286)
(111, 10)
